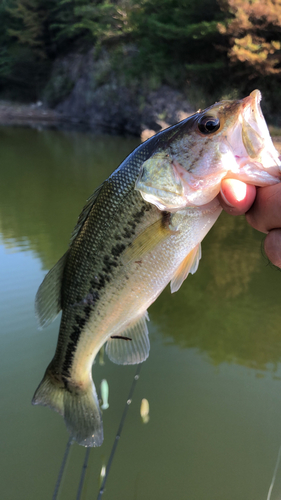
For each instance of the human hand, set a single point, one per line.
(236, 197)
(263, 207)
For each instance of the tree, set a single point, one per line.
(253, 33)
(31, 16)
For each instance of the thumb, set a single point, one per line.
(236, 197)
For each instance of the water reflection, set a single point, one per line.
(215, 432)
(229, 309)
(46, 176)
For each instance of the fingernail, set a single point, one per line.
(225, 199)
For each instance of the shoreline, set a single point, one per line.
(16, 113)
(38, 115)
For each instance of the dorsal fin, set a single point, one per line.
(48, 297)
(130, 352)
(189, 265)
(85, 212)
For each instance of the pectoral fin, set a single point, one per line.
(189, 265)
(133, 351)
(146, 241)
(48, 297)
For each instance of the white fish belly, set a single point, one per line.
(138, 284)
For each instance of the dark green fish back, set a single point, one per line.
(106, 225)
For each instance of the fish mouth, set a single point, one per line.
(257, 160)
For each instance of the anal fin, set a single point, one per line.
(133, 351)
(189, 265)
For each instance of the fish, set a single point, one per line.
(140, 230)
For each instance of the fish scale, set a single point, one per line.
(141, 229)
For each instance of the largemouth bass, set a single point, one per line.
(141, 229)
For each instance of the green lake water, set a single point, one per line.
(213, 377)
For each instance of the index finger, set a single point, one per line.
(265, 214)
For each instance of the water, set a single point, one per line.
(213, 377)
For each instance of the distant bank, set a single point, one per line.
(84, 91)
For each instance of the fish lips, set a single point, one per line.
(248, 153)
(256, 138)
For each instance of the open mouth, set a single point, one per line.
(256, 137)
(254, 157)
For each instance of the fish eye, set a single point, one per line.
(208, 124)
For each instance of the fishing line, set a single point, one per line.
(274, 475)
(83, 473)
(62, 467)
(118, 435)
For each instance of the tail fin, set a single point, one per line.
(82, 416)
(80, 408)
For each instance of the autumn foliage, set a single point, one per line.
(219, 46)
(253, 33)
